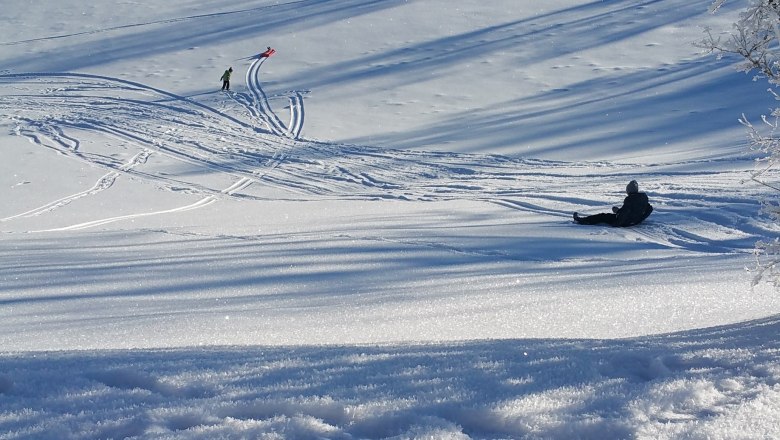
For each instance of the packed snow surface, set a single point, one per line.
(370, 236)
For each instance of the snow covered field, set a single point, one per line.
(371, 235)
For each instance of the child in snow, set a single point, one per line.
(634, 210)
(226, 79)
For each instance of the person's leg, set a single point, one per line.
(596, 219)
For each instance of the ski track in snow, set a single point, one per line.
(55, 110)
(296, 115)
(199, 204)
(102, 184)
(257, 105)
(257, 101)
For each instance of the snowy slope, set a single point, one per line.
(371, 235)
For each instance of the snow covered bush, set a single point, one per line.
(756, 38)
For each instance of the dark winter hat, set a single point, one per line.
(632, 187)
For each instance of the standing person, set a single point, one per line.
(634, 210)
(226, 79)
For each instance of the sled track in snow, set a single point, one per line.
(257, 101)
(257, 105)
(102, 184)
(58, 110)
(203, 152)
(91, 224)
(296, 115)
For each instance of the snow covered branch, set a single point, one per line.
(756, 39)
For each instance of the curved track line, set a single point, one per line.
(240, 185)
(296, 115)
(258, 106)
(102, 184)
(246, 159)
(260, 101)
(183, 131)
(247, 101)
(134, 84)
(199, 204)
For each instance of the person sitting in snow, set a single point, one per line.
(226, 79)
(634, 210)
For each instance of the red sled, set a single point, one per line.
(267, 53)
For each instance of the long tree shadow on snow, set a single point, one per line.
(271, 269)
(526, 41)
(627, 115)
(621, 116)
(579, 27)
(174, 34)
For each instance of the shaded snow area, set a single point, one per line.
(370, 235)
(719, 382)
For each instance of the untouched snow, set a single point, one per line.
(371, 236)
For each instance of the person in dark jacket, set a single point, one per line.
(634, 210)
(226, 79)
